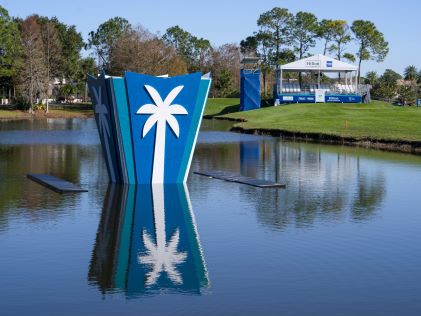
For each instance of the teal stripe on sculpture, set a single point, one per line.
(123, 253)
(124, 118)
(194, 130)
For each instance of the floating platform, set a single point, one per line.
(55, 184)
(232, 177)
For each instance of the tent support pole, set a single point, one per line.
(280, 82)
(318, 80)
(356, 82)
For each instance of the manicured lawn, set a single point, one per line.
(221, 106)
(66, 111)
(374, 121)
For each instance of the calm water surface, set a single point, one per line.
(342, 239)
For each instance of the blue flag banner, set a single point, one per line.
(148, 125)
(147, 243)
(249, 90)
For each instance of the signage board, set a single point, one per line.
(320, 95)
(313, 63)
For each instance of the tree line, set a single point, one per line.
(283, 37)
(38, 51)
(120, 46)
(390, 85)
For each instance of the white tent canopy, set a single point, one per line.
(317, 63)
(320, 64)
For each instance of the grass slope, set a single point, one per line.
(374, 121)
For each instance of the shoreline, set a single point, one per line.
(16, 115)
(403, 146)
(411, 147)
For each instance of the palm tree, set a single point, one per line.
(411, 73)
(162, 112)
(371, 77)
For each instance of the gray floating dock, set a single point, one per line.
(232, 177)
(55, 184)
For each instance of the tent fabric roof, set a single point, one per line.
(319, 63)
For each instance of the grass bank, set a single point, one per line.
(55, 111)
(378, 124)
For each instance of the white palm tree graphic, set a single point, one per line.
(162, 257)
(162, 112)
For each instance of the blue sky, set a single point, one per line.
(224, 21)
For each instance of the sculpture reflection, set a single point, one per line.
(147, 242)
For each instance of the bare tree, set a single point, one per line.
(141, 51)
(226, 69)
(52, 54)
(32, 75)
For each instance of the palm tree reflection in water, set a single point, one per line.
(132, 253)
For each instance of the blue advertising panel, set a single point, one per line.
(343, 98)
(296, 98)
(310, 98)
(148, 125)
(164, 117)
(249, 90)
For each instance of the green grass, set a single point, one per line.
(374, 121)
(55, 111)
(221, 106)
(9, 114)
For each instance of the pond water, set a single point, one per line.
(343, 238)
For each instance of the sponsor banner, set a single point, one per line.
(343, 99)
(302, 98)
(313, 63)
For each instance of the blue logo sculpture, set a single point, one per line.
(148, 125)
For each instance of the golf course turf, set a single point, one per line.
(377, 124)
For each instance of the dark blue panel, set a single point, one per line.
(104, 116)
(249, 90)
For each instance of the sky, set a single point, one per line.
(224, 21)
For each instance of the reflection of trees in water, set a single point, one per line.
(320, 186)
(370, 192)
(217, 156)
(65, 161)
(48, 124)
